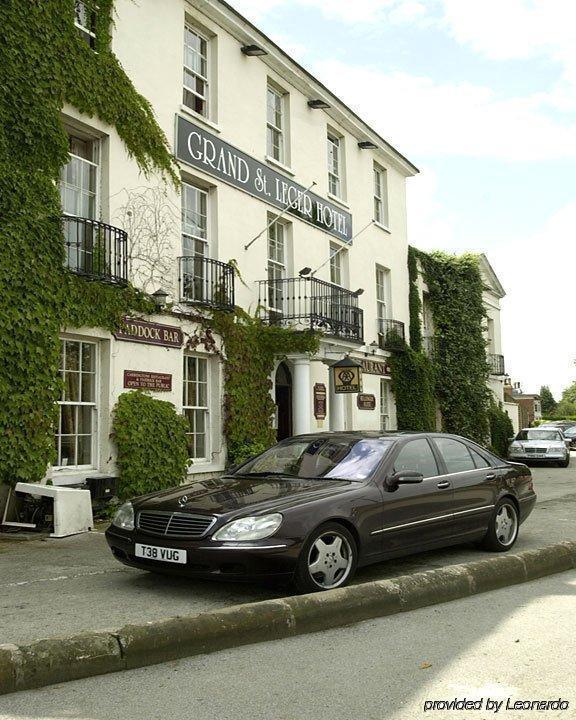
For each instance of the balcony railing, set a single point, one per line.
(206, 282)
(308, 303)
(390, 334)
(496, 363)
(96, 250)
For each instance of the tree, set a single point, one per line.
(569, 393)
(151, 221)
(547, 401)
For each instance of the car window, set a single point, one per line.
(455, 455)
(417, 456)
(478, 459)
(321, 457)
(553, 435)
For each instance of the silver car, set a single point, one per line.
(541, 444)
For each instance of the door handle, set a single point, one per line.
(490, 476)
(444, 484)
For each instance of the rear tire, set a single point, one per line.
(328, 559)
(503, 527)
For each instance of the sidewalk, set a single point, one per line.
(62, 587)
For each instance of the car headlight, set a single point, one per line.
(257, 527)
(124, 517)
(516, 447)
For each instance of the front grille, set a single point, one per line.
(535, 450)
(175, 524)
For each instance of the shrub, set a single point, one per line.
(150, 438)
(501, 429)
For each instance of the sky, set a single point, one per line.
(481, 96)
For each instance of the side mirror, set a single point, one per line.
(404, 477)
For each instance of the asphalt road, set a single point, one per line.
(515, 644)
(61, 587)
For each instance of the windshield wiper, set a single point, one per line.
(266, 474)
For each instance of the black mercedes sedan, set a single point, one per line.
(314, 508)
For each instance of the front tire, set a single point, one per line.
(503, 528)
(328, 559)
(565, 463)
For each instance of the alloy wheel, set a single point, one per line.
(330, 560)
(506, 524)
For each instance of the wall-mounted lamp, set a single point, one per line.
(160, 297)
(305, 271)
(253, 50)
(372, 347)
(318, 104)
(358, 292)
(367, 145)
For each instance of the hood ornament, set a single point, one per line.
(183, 500)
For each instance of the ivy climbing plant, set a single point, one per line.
(455, 288)
(44, 62)
(252, 348)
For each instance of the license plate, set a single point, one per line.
(538, 456)
(162, 554)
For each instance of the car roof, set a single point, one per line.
(359, 434)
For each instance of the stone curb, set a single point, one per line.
(46, 662)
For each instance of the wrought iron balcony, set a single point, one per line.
(391, 334)
(96, 250)
(307, 303)
(496, 363)
(206, 282)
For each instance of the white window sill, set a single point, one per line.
(200, 118)
(339, 201)
(279, 165)
(204, 466)
(383, 227)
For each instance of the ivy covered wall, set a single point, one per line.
(458, 364)
(44, 62)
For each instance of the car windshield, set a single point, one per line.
(570, 431)
(539, 435)
(321, 458)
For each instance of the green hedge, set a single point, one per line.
(150, 437)
(413, 385)
(501, 429)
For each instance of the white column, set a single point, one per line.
(301, 395)
(336, 406)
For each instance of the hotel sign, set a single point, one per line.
(141, 331)
(319, 401)
(142, 380)
(199, 148)
(375, 367)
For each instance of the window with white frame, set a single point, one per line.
(380, 195)
(79, 179)
(85, 20)
(195, 243)
(194, 221)
(77, 421)
(276, 265)
(334, 165)
(196, 85)
(384, 404)
(195, 406)
(275, 124)
(336, 262)
(382, 296)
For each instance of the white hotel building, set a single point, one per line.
(252, 131)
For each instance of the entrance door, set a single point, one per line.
(283, 385)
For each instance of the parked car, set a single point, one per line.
(314, 508)
(545, 444)
(570, 435)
